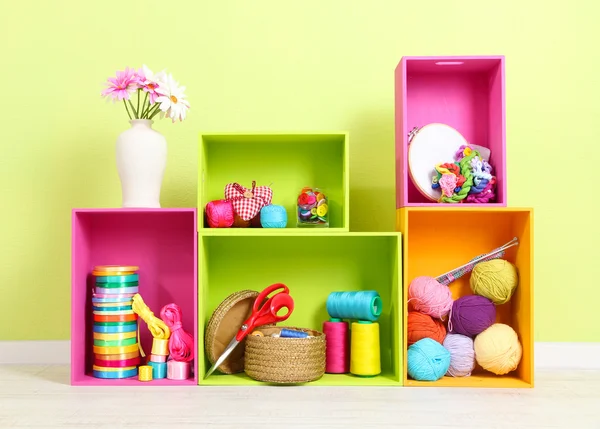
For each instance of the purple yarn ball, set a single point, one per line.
(471, 315)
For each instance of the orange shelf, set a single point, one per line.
(439, 239)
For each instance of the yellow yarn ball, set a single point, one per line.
(496, 280)
(498, 350)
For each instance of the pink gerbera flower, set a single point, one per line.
(121, 86)
(151, 82)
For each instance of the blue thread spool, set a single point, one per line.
(159, 369)
(288, 333)
(362, 305)
(273, 216)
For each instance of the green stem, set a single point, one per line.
(133, 108)
(129, 114)
(154, 111)
(138, 105)
(144, 106)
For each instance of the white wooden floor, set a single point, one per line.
(41, 397)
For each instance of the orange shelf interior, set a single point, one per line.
(437, 241)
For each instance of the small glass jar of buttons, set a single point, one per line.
(312, 208)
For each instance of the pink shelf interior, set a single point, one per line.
(162, 242)
(466, 93)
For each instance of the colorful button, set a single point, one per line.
(322, 210)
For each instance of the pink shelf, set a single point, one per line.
(163, 243)
(466, 93)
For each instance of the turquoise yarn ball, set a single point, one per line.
(427, 360)
(273, 216)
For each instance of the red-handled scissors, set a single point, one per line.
(263, 313)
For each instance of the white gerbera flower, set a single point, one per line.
(172, 99)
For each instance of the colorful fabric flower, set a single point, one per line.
(151, 82)
(122, 86)
(173, 103)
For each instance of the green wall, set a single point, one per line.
(281, 65)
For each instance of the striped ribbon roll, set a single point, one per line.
(115, 329)
(115, 317)
(132, 323)
(116, 374)
(117, 363)
(115, 350)
(114, 337)
(96, 299)
(122, 308)
(113, 285)
(115, 343)
(113, 313)
(119, 291)
(122, 356)
(118, 279)
(115, 273)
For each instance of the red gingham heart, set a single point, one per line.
(248, 208)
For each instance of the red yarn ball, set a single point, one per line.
(219, 214)
(421, 326)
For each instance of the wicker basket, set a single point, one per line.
(285, 360)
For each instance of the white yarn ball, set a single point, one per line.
(462, 355)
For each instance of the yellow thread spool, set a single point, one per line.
(365, 354)
(258, 334)
(145, 373)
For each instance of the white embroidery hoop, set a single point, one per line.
(430, 145)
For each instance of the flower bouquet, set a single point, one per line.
(156, 93)
(141, 151)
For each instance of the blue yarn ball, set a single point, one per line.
(427, 360)
(273, 216)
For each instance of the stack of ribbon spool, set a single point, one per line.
(116, 352)
(357, 352)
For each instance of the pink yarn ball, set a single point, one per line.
(219, 214)
(429, 296)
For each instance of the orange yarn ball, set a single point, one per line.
(421, 326)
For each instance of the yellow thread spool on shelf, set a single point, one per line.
(145, 373)
(365, 355)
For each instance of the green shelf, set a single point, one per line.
(285, 161)
(312, 266)
(385, 379)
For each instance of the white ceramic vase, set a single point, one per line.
(141, 161)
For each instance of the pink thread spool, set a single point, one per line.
(219, 214)
(337, 350)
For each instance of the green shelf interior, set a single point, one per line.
(312, 266)
(286, 162)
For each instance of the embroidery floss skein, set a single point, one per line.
(462, 355)
(496, 279)
(421, 326)
(429, 296)
(471, 314)
(181, 343)
(361, 305)
(427, 360)
(498, 349)
(365, 356)
(337, 347)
